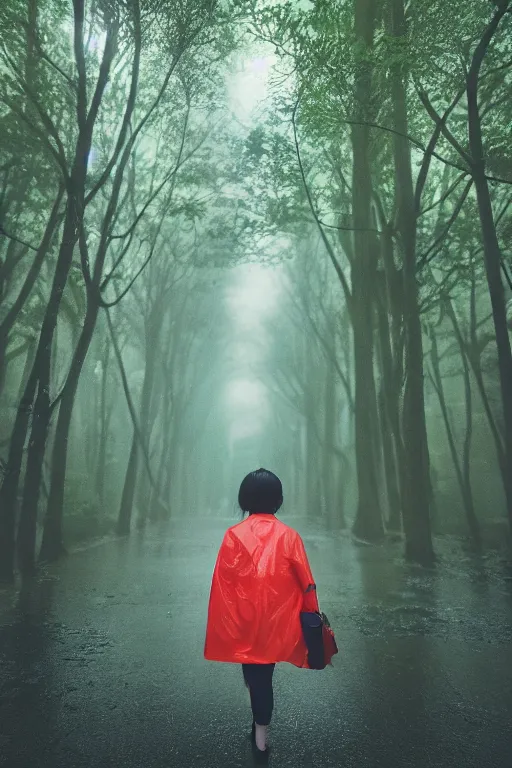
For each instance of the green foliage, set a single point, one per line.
(317, 40)
(170, 182)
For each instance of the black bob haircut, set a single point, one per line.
(260, 491)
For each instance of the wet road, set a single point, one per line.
(101, 662)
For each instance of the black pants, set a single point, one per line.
(259, 679)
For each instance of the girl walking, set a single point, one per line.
(261, 583)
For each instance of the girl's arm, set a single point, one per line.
(302, 569)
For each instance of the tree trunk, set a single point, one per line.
(155, 505)
(125, 511)
(105, 415)
(492, 259)
(309, 401)
(394, 522)
(390, 426)
(73, 220)
(26, 540)
(52, 545)
(492, 256)
(368, 524)
(29, 362)
(4, 343)
(147, 396)
(462, 473)
(492, 253)
(10, 318)
(157, 510)
(332, 513)
(9, 489)
(473, 352)
(89, 405)
(42, 412)
(473, 524)
(416, 491)
(391, 342)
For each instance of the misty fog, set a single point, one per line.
(252, 233)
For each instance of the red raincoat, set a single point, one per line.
(258, 591)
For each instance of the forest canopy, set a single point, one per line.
(374, 181)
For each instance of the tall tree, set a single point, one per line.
(416, 469)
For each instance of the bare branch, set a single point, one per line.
(445, 196)
(326, 242)
(174, 63)
(414, 141)
(16, 352)
(348, 229)
(58, 154)
(131, 408)
(425, 165)
(438, 120)
(109, 304)
(35, 267)
(180, 161)
(432, 250)
(493, 71)
(17, 239)
(78, 45)
(42, 53)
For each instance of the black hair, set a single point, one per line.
(260, 491)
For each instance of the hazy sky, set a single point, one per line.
(248, 85)
(253, 292)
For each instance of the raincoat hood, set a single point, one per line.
(257, 593)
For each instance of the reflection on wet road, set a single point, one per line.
(101, 662)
